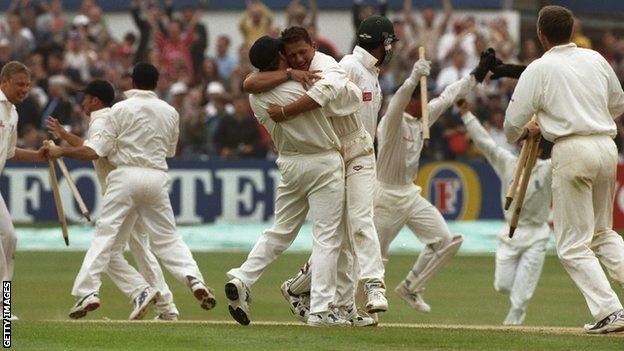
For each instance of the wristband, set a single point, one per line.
(288, 73)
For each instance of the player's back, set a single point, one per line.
(307, 133)
(146, 128)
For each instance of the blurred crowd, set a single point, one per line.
(65, 52)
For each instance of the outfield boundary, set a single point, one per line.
(524, 329)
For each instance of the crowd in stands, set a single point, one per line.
(65, 52)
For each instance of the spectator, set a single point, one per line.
(243, 69)
(21, 39)
(175, 45)
(456, 71)
(238, 136)
(97, 28)
(404, 54)
(255, 22)
(529, 52)
(462, 36)
(428, 32)
(298, 15)
(51, 27)
(225, 63)
(60, 104)
(500, 39)
(78, 57)
(578, 37)
(5, 52)
(200, 38)
(31, 138)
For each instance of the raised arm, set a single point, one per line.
(449, 96)
(496, 155)
(400, 99)
(448, 10)
(313, 11)
(409, 16)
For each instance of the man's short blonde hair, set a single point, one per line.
(12, 68)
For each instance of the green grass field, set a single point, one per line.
(461, 295)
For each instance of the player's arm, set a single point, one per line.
(259, 82)
(525, 102)
(448, 10)
(56, 129)
(449, 96)
(83, 153)
(409, 16)
(497, 156)
(403, 95)
(20, 154)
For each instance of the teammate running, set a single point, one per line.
(98, 97)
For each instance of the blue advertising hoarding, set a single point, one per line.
(217, 190)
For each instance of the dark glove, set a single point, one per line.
(486, 63)
(507, 71)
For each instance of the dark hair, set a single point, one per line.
(145, 76)
(294, 34)
(555, 23)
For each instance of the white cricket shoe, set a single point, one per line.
(376, 297)
(167, 316)
(86, 304)
(202, 293)
(145, 298)
(610, 324)
(298, 305)
(13, 318)
(356, 318)
(239, 299)
(413, 298)
(515, 316)
(327, 319)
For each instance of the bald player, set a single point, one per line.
(576, 95)
(14, 87)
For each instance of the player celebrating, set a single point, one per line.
(398, 201)
(142, 131)
(14, 87)
(375, 40)
(98, 97)
(576, 95)
(519, 261)
(312, 179)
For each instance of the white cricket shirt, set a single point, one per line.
(573, 91)
(399, 137)
(142, 131)
(307, 133)
(97, 123)
(360, 68)
(8, 129)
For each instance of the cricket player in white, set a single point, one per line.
(398, 201)
(576, 95)
(14, 87)
(312, 179)
(99, 96)
(142, 131)
(376, 35)
(519, 260)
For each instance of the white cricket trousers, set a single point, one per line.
(124, 275)
(309, 183)
(132, 192)
(400, 205)
(519, 266)
(8, 242)
(360, 255)
(583, 186)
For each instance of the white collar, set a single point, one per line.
(3, 97)
(140, 93)
(561, 47)
(103, 112)
(368, 61)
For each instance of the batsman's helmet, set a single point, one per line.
(377, 29)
